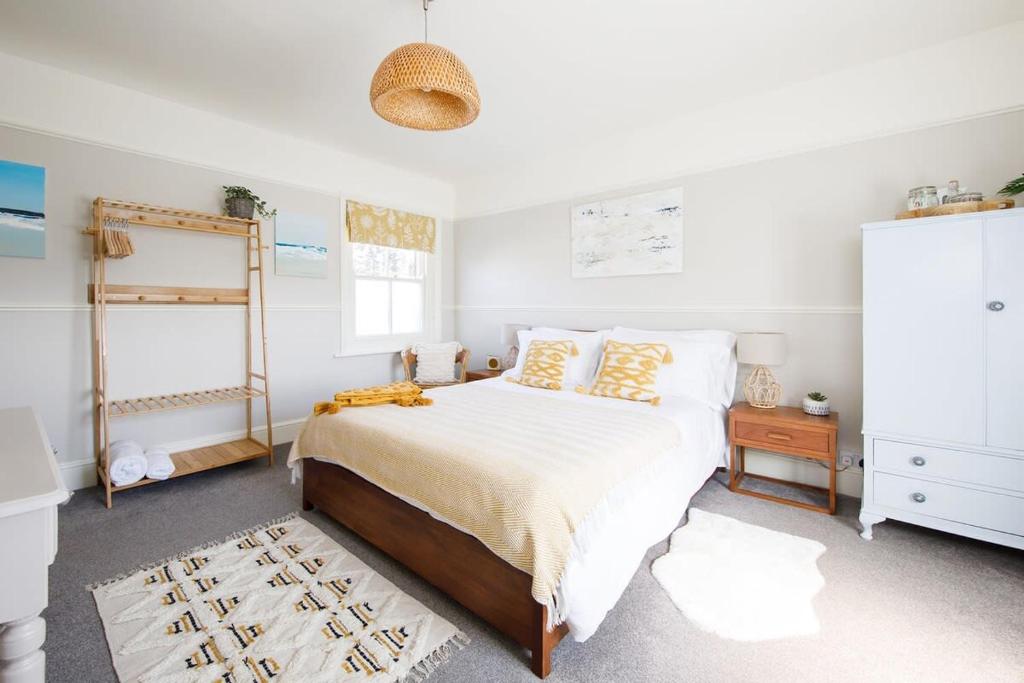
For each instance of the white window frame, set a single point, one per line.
(353, 345)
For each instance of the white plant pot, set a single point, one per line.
(816, 407)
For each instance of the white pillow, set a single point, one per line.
(435, 363)
(703, 363)
(579, 370)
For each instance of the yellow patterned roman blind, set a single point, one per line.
(370, 224)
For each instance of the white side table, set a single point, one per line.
(30, 490)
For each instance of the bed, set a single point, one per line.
(532, 508)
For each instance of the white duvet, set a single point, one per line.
(639, 512)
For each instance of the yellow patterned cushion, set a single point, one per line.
(544, 366)
(630, 370)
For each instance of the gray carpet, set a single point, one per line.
(912, 605)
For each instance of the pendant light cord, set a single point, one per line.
(426, 35)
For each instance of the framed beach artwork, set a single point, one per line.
(300, 245)
(637, 235)
(22, 210)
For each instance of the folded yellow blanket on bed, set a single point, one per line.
(401, 393)
(518, 469)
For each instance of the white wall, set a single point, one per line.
(773, 245)
(49, 100)
(45, 321)
(948, 82)
(97, 139)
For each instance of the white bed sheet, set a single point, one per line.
(639, 512)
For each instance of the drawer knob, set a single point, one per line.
(996, 306)
(918, 497)
(918, 461)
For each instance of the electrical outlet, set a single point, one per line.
(849, 459)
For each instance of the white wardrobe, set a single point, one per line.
(944, 374)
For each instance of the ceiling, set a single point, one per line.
(551, 74)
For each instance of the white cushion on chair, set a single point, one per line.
(435, 363)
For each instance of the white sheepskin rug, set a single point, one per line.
(741, 581)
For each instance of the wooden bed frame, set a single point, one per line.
(451, 560)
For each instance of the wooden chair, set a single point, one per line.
(409, 362)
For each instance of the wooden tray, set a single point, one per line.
(961, 207)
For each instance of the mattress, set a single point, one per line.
(636, 513)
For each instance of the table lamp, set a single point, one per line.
(761, 349)
(510, 338)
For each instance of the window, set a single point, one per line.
(389, 289)
(388, 297)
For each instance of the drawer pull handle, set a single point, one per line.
(778, 436)
(918, 497)
(918, 461)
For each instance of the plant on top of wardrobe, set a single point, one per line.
(240, 202)
(1015, 186)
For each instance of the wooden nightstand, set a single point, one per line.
(474, 375)
(786, 431)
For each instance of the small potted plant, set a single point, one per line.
(240, 202)
(1014, 187)
(816, 403)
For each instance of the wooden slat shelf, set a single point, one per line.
(202, 459)
(188, 399)
(111, 218)
(149, 294)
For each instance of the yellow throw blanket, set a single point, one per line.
(519, 470)
(402, 393)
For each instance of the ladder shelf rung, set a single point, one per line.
(188, 399)
(149, 294)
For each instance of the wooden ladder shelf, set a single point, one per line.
(101, 294)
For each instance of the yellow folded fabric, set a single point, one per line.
(405, 394)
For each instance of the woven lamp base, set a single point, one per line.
(761, 390)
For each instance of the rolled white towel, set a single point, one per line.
(158, 463)
(127, 462)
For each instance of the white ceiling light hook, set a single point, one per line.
(426, 7)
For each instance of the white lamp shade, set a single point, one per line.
(510, 334)
(761, 348)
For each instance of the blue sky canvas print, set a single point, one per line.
(300, 245)
(22, 210)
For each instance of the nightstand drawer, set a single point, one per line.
(779, 436)
(945, 463)
(979, 508)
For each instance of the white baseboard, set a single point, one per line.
(849, 482)
(80, 474)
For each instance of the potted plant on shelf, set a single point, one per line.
(816, 403)
(1014, 187)
(240, 202)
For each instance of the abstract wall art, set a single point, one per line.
(22, 210)
(300, 245)
(637, 235)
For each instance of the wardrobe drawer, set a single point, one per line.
(964, 466)
(1001, 512)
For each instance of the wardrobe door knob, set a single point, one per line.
(918, 497)
(996, 306)
(918, 461)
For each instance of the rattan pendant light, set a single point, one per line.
(425, 86)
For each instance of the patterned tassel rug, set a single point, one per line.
(280, 602)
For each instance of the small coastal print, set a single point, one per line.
(300, 245)
(638, 235)
(22, 210)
